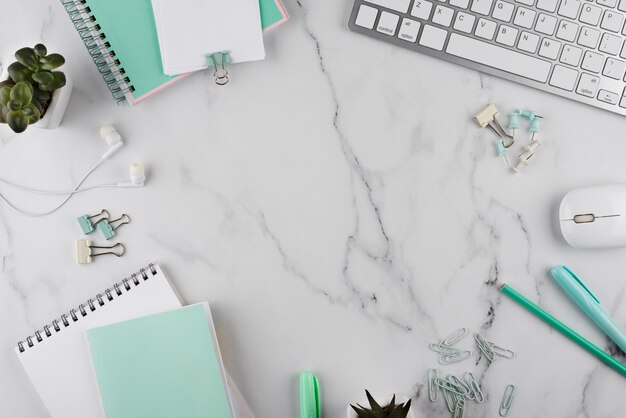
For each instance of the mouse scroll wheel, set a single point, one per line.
(584, 219)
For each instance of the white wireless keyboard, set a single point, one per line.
(568, 47)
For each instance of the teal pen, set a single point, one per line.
(590, 304)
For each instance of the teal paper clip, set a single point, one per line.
(108, 229)
(218, 61)
(87, 222)
(310, 403)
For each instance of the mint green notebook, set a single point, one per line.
(273, 13)
(161, 366)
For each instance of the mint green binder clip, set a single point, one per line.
(108, 228)
(218, 61)
(88, 223)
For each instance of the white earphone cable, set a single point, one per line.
(69, 195)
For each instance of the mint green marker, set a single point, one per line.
(564, 329)
(310, 403)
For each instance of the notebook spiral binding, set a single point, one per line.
(74, 315)
(99, 48)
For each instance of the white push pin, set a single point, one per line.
(84, 253)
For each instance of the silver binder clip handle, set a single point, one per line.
(219, 70)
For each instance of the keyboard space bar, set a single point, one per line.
(497, 57)
(401, 6)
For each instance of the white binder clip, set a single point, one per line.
(489, 117)
(84, 251)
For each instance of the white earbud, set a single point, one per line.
(137, 176)
(114, 141)
(112, 138)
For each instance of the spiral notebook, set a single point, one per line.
(57, 358)
(121, 37)
(142, 364)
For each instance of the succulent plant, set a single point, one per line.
(376, 411)
(25, 96)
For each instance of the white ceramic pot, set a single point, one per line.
(58, 104)
(381, 401)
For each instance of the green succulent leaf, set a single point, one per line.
(14, 105)
(5, 95)
(57, 83)
(19, 72)
(43, 77)
(30, 110)
(52, 61)
(7, 83)
(26, 56)
(40, 50)
(38, 105)
(391, 410)
(22, 92)
(17, 121)
(41, 95)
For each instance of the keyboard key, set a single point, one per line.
(526, 2)
(525, 17)
(592, 61)
(497, 57)
(503, 11)
(569, 8)
(549, 48)
(482, 7)
(366, 17)
(408, 30)
(622, 5)
(546, 24)
(612, 21)
(610, 44)
(507, 35)
(590, 14)
(608, 97)
(607, 3)
(464, 22)
(567, 31)
(485, 29)
(571, 55)
(528, 42)
(588, 37)
(388, 23)
(433, 37)
(588, 85)
(563, 78)
(460, 3)
(614, 68)
(443, 16)
(421, 9)
(548, 5)
(623, 53)
(622, 102)
(401, 6)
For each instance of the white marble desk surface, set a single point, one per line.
(338, 208)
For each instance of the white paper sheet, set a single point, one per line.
(190, 29)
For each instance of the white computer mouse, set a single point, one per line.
(594, 217)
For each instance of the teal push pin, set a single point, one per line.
(514, 120)
(535, 125)
(528, 114)
(87, 222)
(108, 228)
(501, 149)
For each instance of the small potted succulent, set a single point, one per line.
(31, 92)
(390, 410)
